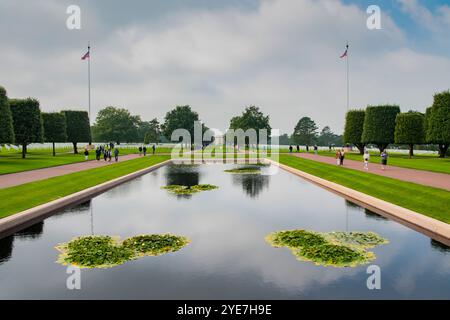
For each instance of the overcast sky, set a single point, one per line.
(219, 56)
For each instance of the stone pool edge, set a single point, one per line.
(11, 224)
(434, 228)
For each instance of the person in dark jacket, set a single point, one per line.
(116, 154)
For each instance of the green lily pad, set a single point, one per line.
(244, 170)
(337, 249)
(107, 252)
(179, 189)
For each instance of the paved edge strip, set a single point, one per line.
(431, 227)
(11, 223)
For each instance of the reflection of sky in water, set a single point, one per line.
(228, 256)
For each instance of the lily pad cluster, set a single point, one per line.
(245, 170)
(107, 252)
(337, 249)
(180, 189)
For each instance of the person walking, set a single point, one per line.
(290, 149)
(338, 157)
(307, 148)
(109, 155)
(116, 154)
(342, 157)
(384, 159)
(86, 154)
(105, 154)
(316, 149)
(153, 148)
(366, 158)
(298, 148)
(140, 151)
(145, 151)
(98, 153)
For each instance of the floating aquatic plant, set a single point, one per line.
(245, 170)
(338, 249)
(180, 189)
(107, 252)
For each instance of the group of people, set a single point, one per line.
(316, 149)
(143, 150)
(106, 151)
(384, 159)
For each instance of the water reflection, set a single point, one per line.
(252, 184)
(369, 214)
(32, 232)
(439, 246)
(6, 247)
(183, 175)
(228, 257)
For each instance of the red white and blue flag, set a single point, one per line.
(345, 54)
(86, 56)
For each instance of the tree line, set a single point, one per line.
(23, 123)
(386, 124)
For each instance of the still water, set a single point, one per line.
(228, 257)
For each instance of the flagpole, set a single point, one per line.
(348, 78)
(89, 87)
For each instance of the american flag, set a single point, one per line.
(345, 54)
(86, 56)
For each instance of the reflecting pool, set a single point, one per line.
(228, 257)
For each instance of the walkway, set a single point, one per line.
(428, 178)
(14, 179)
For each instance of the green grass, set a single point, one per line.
(422, 162)
(429, 201)
(12, 162)
(32, 194)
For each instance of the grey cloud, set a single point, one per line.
(281, 55)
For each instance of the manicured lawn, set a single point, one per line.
(422, 162)
(430, 201)
(11, 161)
(32, 194)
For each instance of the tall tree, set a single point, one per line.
(379, 125)
(54, 128)
(6, 122)
(27, 122)
(252, 118)
(438, 122)
(354, 125)
(116, 124)
(409, 129)
(77, 127)
(153, 133)
(305, 132)
(328, 137)
(181, 117)
(284, 139)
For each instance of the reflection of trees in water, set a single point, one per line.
(252, 184)
(183, 175)
(83, 207)
(353, 205)
(369, 214)
(372, 215)
(6, 247)
(125, 189)
(32, 232)
(436, 245)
